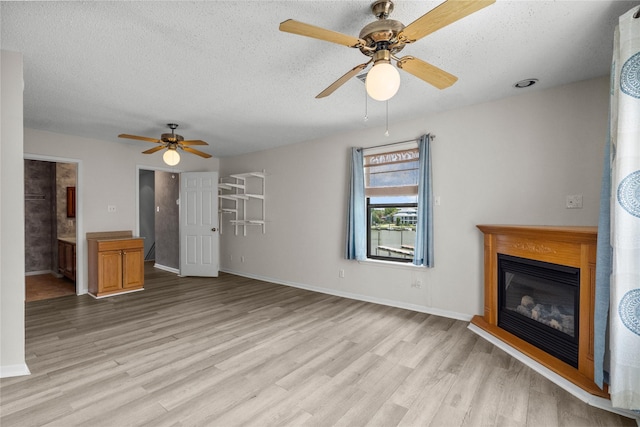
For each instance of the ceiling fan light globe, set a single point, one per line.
(171, 157)
(383, 81)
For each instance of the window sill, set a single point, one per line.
(392, 264)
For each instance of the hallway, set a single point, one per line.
(46, 286)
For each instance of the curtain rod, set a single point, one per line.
(431, 137)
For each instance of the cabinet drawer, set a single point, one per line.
(114, 245)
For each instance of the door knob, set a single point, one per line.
(214, 229)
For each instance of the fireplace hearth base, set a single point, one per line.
(568, 246)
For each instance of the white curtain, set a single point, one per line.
(624, 211)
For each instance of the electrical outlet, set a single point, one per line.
(574, 201)
(341, 273)
(111, 208)
(242, 259)
(417, 284)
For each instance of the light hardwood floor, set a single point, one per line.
(235, 351)
(47, 286)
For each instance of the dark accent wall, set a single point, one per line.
(39, 211)
(147, 211)
(167, 220)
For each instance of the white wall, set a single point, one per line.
(12, 293)
(107, 175)
(509, 161)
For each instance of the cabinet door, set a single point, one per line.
(68, 258)
(71, 262)
(133, 275)
(109, 271)
(61, 257)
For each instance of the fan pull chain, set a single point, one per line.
(366, 106)
(386, 133)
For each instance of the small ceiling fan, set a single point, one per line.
(384, 38)
(171, 141)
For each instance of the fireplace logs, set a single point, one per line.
(554, 316)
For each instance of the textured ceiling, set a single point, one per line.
(224, 72)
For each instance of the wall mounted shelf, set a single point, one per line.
(236, 201)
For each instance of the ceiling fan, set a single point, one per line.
(171, 141)
(384, 38)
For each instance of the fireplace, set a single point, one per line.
(538, 302)
(539, 288)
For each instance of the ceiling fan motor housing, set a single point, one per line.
(171, 137)
(383, 30)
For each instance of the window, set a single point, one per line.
(391, 191)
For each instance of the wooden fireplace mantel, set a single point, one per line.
(570, 246)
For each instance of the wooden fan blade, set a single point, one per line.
(154, 149)
(193, 142)
(342, 80)
(302, 29)
(141, 138)
(447, 13)
(196, 152)
(427, 72)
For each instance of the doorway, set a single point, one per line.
(159, 217)
(50, 228)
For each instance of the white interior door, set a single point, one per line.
(199, 229)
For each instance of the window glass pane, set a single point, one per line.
(392, 230)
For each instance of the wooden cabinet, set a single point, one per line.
(116, 264)
(67, 258)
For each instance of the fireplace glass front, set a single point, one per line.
(538, 302)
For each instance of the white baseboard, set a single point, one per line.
(358, 297)
(165, 268)
(116, 294)
(561, 382)
(19, 370)
(39, 272)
